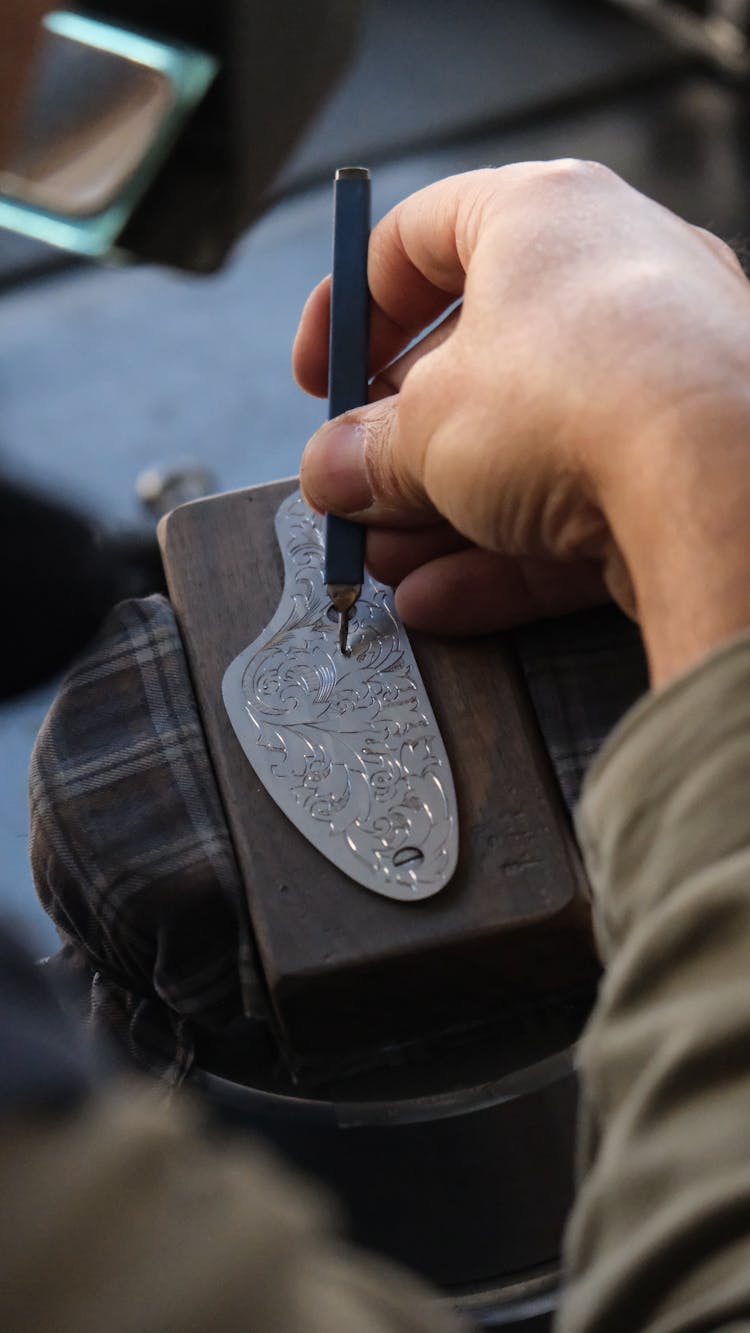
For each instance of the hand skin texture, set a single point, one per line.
(579, 425)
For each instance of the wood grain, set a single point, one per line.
(346, 968)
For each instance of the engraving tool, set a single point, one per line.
(347, 374)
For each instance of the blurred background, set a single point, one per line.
(107, 373)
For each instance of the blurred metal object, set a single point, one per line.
(161, 489)
(103, 108)
(469, 1186)
(718, 29)
(158, 128)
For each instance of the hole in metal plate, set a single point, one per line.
(407, 855)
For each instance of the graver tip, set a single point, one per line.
(344, 632)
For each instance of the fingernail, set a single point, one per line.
(333, 471)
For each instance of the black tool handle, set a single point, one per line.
(348, 348)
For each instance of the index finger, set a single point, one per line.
(418, 257)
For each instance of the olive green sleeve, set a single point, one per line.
(659, 1238)
(122, 1217)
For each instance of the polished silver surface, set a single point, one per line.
(347, 746)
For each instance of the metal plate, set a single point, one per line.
(347, 746)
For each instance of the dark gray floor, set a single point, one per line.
(103, 373)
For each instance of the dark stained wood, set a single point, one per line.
(345, 968)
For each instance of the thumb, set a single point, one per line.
(360, 466)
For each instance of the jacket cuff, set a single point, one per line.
(668, 792)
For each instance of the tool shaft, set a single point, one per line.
(348, 350)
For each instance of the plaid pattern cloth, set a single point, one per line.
(583, 672)
(131, 854)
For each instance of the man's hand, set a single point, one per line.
(583, 420)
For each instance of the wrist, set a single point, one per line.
(682, 522)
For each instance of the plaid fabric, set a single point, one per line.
(131, 855)
(583, 672)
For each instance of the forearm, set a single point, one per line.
(660, 1235)
(678, 503)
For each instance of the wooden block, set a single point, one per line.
(347, 969)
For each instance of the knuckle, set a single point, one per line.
(723, 251)
(573, 172)
(421, 399)
(378, 453)
(384, 457)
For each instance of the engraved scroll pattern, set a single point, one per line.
(349, 745)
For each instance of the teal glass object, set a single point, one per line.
(159, 84)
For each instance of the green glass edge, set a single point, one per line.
(190, 73)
